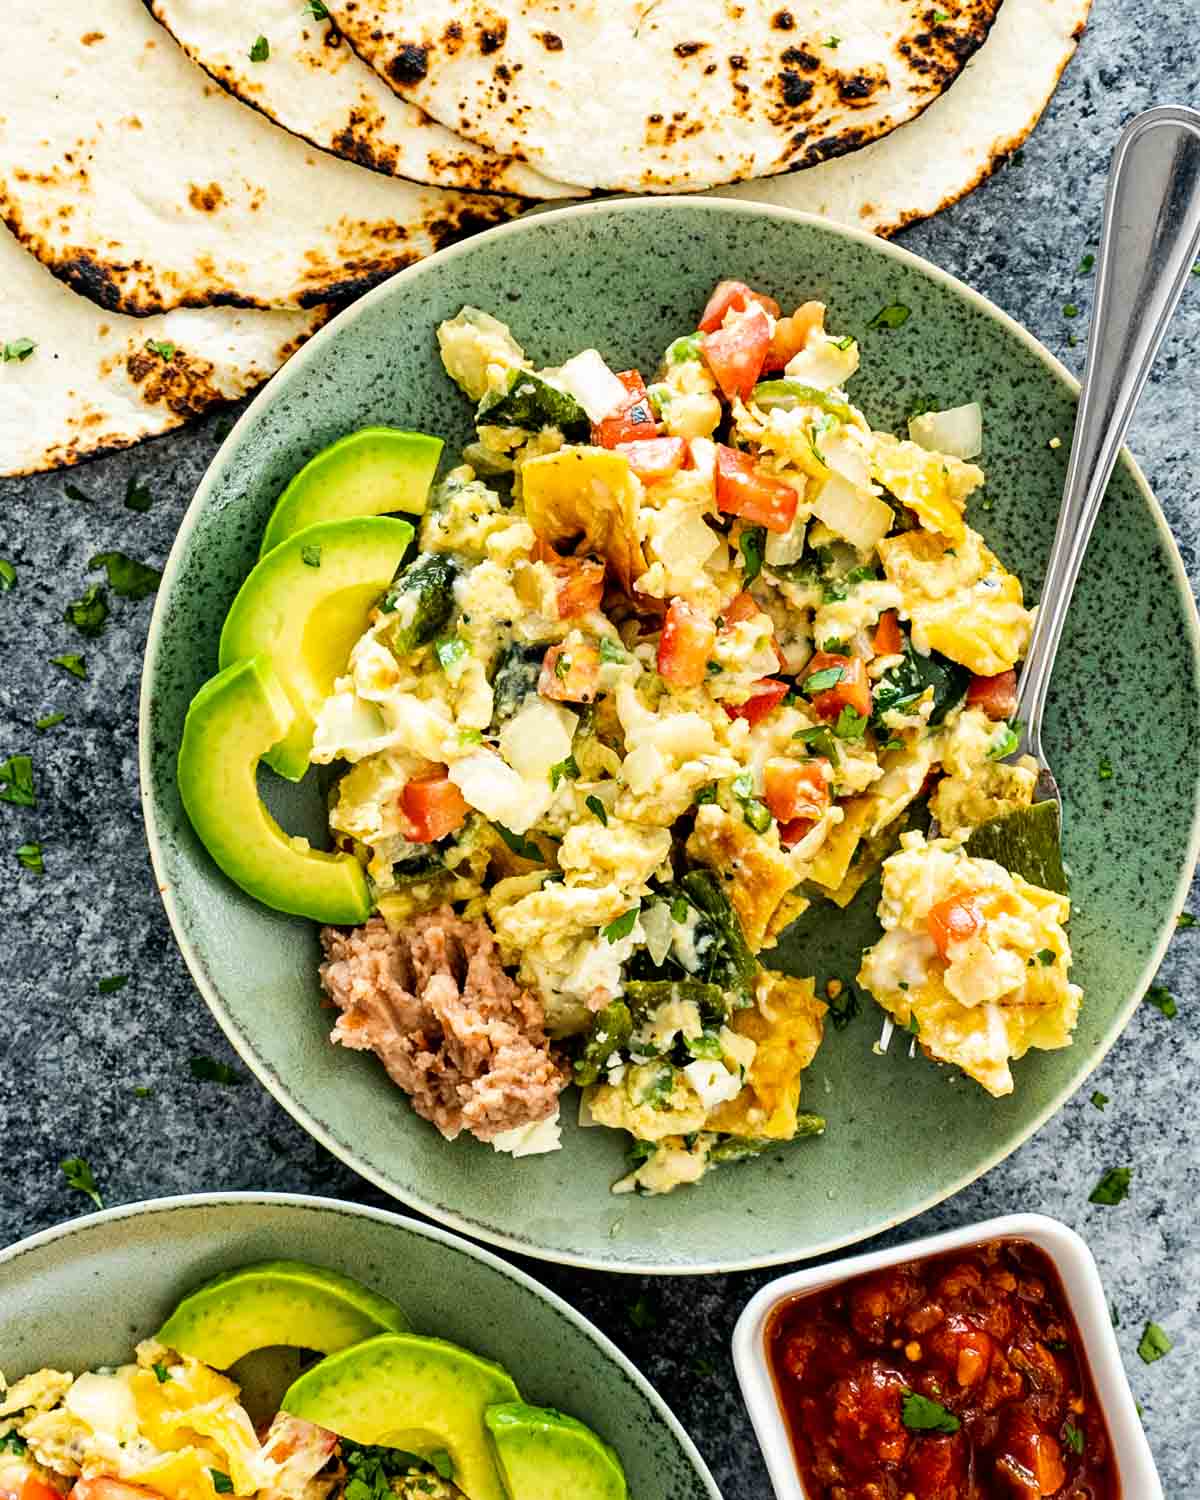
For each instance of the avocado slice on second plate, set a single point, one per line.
(546, 1455)
(231, 723)
(370, 472)
(423, 1395)
(304, 606)
(275, 1302)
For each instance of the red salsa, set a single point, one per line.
(960, 1377)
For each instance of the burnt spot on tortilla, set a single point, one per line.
(90, 38)
(737, 63)
(333, 37)
(409, 64)
(551, 41)
(857, 89)
(798, 57)
(453, 39)
(689, 49)
(207, 199)
(783, 20)
(493, 37)
(794, 89)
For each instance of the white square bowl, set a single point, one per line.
(1085, 1296)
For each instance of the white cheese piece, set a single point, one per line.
(531, 1140)
(493, 788)
(713, 1081)
(593, 385)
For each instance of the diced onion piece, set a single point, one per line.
(786, 546)
(862, 518)
(822, 363)
(958, 431)
(659, 928)
(498, 792)
(885, 1036)
(537, 737)
(593, 385)
(713, 1081)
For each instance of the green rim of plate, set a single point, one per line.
(560, 1357)
(1133, 840)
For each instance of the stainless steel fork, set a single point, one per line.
(1149, 245)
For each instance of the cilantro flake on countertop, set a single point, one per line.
(48, 721)
(620, 927)
(71, 662)
(643, 1313)
(1162, 999)
(79, 1176)
(1153, 1344)
(1099, 1099)
(137, 496)
(8, 575)
(1112, 1187)
(17, 349)
(16, 781)
(164, 348)
(260, 50)
(1185, 919)
(112, 984)
(920, 1414)
(128, 578)
(1104, 770)
(209, 1070)
(89, 612)
(894, 315)
(142, 1091)
(30, 855)
(1070, 310)
(1086, 264)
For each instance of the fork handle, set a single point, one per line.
(1149, 243)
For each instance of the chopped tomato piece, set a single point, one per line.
(766, 694)
(736, 354)
(888, 640)
(735, 295)
(103, 1488)
(791, 833)
(955, 920)
(796, 788)
(37, 1488)
(434, 807)
(741, 607)
(685, 645)
(654, 458)
(570, 674)
(852, 690)
(757, 498)
(1026, 1451)
(791, 334)
(997, 696)
(635, 419)
(580, 586)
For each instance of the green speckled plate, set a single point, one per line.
(626, 277)
(84, 1293)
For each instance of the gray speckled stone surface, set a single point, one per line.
(71, 1059)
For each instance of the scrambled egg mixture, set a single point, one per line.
(672, 662)
(167, 1423)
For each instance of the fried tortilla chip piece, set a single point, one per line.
(590, 494)
(755, 877)
(785, 1022)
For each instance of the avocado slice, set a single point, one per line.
(276, 1302)
(304, 606)
(420, 1394)
(1028, 843)
(231, 723)
(546, 1455)
(367, 473)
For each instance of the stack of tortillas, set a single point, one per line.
(208, 189)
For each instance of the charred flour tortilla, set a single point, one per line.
(96, 380)
(143, 185)
(315, 85)
(658, 95)
(935, 160)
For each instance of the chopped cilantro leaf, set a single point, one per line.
(221, 1482)
(48, 721)
(523, 847)
(163, 348)
(643, 1313)
(750, 545)
(1153, 1344)
(1185, 919)
(18, 349)
(70, 662)
(1162, 999)
(12, 1442)
(89, 612)
(1114, 1315)
(1112, 1187)
(1085, 265)
(1099, 1099)
(822, 681)
(920, 1414)
(261, 49)
(316, 10)
(567, 768)
(844, 343)
(161, 1373)
(597, 809)
(30, 855)
(679, 910)
(850, 725)
(137, 497)
(8, 575)
(705, 794)
(831, 41)
(819, 738)
(1074, 1437)
(611, 651)
(1070, 310)
(895, 315)
(451, 650)
(128, 578)
(1046, 956)
(112, 984)
(310, 555)
(209, 1070)
(16, 781)
(80, 1177)
(620, 927)
(1104, 770)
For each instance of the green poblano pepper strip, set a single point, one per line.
(646, 995)
(610, 1031)
(902, 688)
(422, 595)
(788, 394)
(704, 890)
(531, 403)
